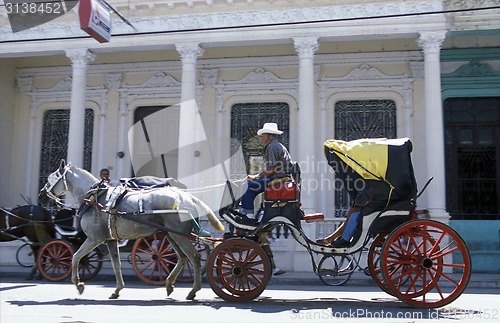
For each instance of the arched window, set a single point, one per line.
(356, 119)
(54, 145)
(246, 120)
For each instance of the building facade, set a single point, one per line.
(194, 73)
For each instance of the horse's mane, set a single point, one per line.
(86, 173)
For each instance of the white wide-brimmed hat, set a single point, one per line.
(271, 128)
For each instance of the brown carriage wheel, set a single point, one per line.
(54, 260)
(187, 273)
(238, 270)
(153, 259)
(90, 265)
(433, 257)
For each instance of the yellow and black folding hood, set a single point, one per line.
(374, 169)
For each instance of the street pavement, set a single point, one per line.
(477, 280)
(291, 297)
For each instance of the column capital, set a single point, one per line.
(306, 46)
(431, 41)
(80, 57)
(189, 51)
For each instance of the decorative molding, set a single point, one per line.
(256, 82)
(236, 18)
(258, 76)
(366, 79)
(61, 86)
(209, 76)
(25, 84)
(159, 80)
(474, 69)
(365, 73)
(417, 70)
(114, 80)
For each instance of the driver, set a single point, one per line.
(278, 164)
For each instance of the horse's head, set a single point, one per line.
(56, 185)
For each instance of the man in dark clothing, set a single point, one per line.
(278, 164)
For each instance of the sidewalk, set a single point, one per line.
(477, 280)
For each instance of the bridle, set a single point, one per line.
(52, 181)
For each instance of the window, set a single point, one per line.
(246, 120)
(358, 119)
(54, 145)
(471, 155)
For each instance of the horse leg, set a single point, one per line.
(34, 268)
(190, 251)
(181, 261)
(87, 246)
(115, 261)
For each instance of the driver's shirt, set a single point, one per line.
(275, 154)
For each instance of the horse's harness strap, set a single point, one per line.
(112, 227)
(7, 222)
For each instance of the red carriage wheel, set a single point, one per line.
(434, 259)
(238, 270)
(153, 259)
(90, 265)
(374, 255)
(54, 260)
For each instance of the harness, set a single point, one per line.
(52, 181)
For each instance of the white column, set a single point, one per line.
(306, 152)
(122, 134)
(189, 124)
(431, 43)
(79, 61)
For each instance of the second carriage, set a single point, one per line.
(152, 258)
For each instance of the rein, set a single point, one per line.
(32, 221)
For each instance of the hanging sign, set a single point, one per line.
(95, 19)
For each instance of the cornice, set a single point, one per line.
(209, 21)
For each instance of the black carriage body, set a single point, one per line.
(383, 180)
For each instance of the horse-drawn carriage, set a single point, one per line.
(422, 262)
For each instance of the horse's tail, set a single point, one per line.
(214, 221)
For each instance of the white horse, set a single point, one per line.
(96, 223)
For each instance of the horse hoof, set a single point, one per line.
(114, 296)
(30, 277)
(80, 287)
(191, 296)
(170, 289)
